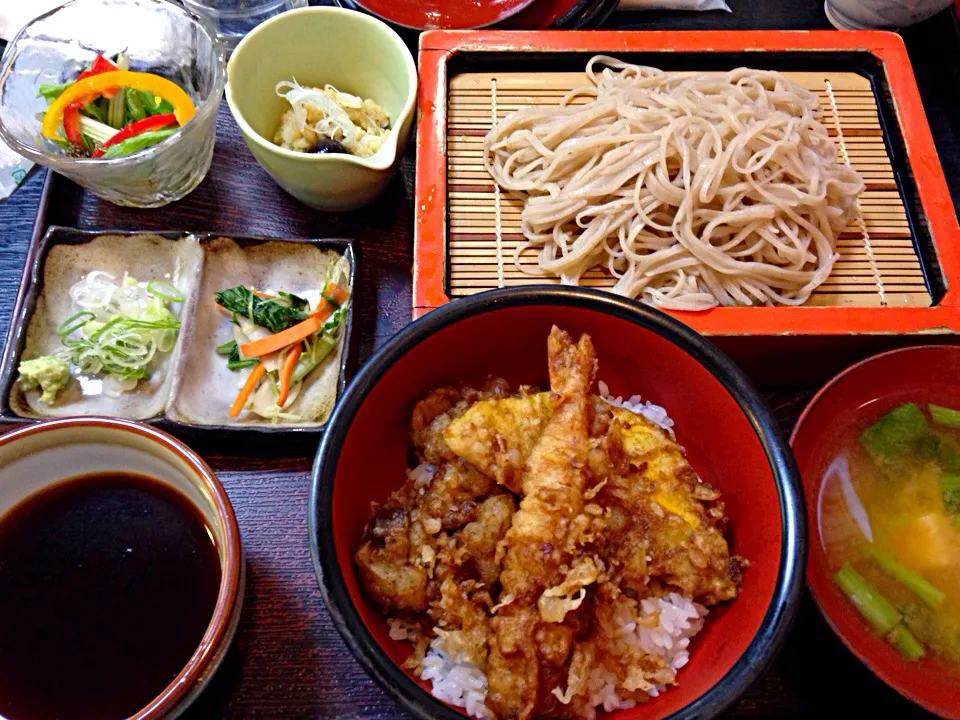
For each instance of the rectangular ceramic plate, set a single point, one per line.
(245, 250)
(910, 245)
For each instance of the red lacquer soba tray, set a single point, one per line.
(899, 267)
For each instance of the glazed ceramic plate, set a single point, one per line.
(444, 14)
(858, 396)
(191, 388)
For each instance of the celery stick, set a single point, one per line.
(926, 591)
(944, 415)
(905, 643)
(874, 607)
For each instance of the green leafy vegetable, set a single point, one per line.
(950, 487)
(50, 91)
(97, 110)
(136, 109)
(903, 433)
(138, 142)
(269, 314)
(949, 454)
(948, 417)
(295, 301)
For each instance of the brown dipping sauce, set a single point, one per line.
(107, 584)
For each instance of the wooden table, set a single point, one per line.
(287, 660)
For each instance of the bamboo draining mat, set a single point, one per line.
(878, 263)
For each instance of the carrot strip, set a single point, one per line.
(325, 308)
(286, 372)
(282, 339)
(323, 311)
(336, 294)
(253, 379)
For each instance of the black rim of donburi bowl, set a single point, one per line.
(782, 608)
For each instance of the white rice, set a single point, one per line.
(654, 413)
(677, 620)
(460, 684)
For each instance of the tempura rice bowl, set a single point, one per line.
(730, 440)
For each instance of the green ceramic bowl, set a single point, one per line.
(354, 52)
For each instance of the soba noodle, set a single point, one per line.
(692, 189)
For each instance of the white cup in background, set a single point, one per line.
(866, 14)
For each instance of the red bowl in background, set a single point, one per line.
(857, 396)
(730, 437)
(443, 14)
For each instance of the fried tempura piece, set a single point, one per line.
(497, 435)
(434, 413)
(480, 538)
(462, 613)
(404, 554)
(383, 562)
(553, 478)
(664, 525)
(526, 651)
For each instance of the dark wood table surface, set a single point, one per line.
(287, 660)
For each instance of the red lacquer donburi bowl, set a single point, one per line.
(730, 437)
(855, 397)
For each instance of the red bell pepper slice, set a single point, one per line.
(71, 122)
(154, 122)
(99, 65)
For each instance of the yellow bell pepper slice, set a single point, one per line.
(91, 88)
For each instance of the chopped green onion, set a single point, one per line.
(874, 607)
(905, 643)
(164, 290)
(926, 591)
(74, 323)
(944, 415)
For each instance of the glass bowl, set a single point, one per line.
(159, 37)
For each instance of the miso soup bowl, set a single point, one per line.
(354, 52)
(38, 456)
(922, 374)
(730, 437)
